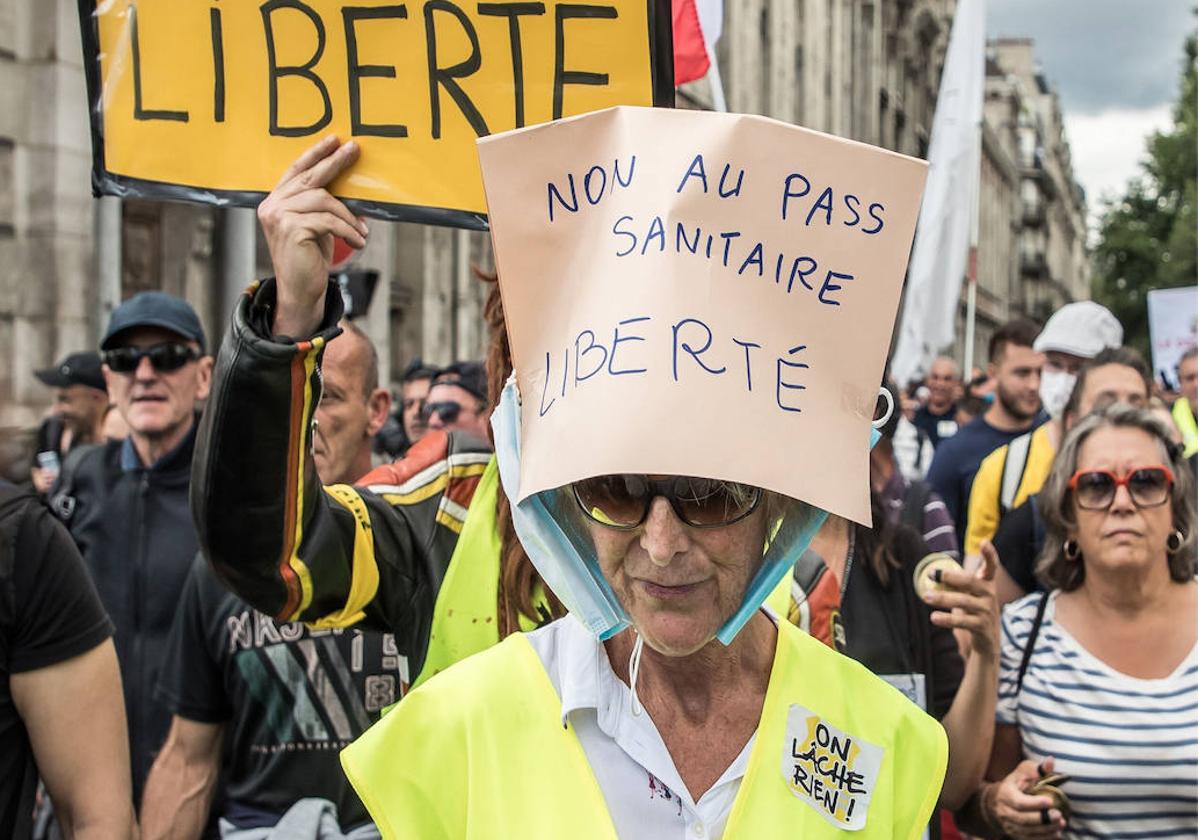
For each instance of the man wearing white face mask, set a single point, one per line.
(1076, 333)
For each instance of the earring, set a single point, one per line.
(1174, 541)
(1072, 550)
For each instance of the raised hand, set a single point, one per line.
(300, 217)
(969, 603)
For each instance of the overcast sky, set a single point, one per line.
(1116, 65)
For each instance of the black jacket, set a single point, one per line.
(134, 529)
(293, 549)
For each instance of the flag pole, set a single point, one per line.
(971, 294)
(717, 83)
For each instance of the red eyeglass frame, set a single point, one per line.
(1123, 482)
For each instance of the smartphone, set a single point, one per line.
(49, 462)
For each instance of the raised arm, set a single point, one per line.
(297, 551)
(969, 605)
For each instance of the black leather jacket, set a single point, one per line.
(331, 556)
(135, 532)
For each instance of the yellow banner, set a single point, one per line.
(216, 98)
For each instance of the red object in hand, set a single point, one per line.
(690, 49)
(343, 254)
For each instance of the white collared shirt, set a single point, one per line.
(644, 792)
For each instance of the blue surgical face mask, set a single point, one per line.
(563, 552)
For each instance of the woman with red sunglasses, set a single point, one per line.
(1097, 714)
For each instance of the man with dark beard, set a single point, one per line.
(1015, 368)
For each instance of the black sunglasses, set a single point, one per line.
(623, 501)
(448, 411)
(168, 356)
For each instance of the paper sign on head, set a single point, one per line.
(696, 293)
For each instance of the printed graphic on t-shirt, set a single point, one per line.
(829, 769)
(318, 689)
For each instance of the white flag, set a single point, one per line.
(711, 21)
(941, 250)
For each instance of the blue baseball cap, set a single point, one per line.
(154, 309)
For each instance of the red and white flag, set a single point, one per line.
(690, 49)
(698, 25)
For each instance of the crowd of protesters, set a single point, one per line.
(262, 605)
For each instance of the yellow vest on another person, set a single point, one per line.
(466, 614)
(1006, 477)
(1183, 416)
(481, 752)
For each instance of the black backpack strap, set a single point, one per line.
(1030, 644)
(1039, 531)
(62, 495)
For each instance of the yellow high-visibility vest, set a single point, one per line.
(466, 614)
(1183, 416)
(481, 752)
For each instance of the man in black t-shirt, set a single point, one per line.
(281, 699)
(61, 711)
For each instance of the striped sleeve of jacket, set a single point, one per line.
(332, 556)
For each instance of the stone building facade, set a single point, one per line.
(1032, 256)
(47, 299)
(1053, 265)
(864, 69)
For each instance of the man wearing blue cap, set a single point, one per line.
(126, 501)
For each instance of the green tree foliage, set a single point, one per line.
(1149, 237)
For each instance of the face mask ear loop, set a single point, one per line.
(884, 393)
(634, 670)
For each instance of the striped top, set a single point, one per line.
(1130, 745)
(936, 527)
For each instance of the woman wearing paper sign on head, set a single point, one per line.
(726, 721)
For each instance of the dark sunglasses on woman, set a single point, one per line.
(164, 357)
(1147, 486)
(623, 501)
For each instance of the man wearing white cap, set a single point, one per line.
(1074, 334)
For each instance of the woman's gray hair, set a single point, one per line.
(1056, 504)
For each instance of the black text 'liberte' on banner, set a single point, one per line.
(211, 101)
